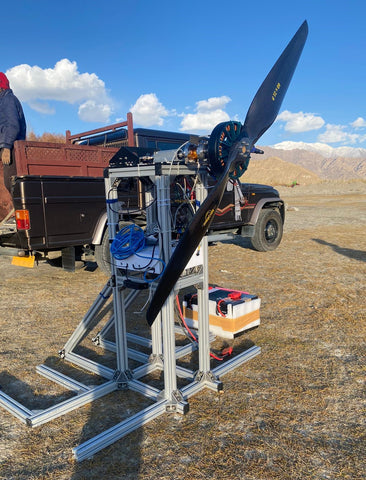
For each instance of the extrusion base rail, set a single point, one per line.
(108, 437)
(164, 400)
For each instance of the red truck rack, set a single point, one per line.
(69, 158)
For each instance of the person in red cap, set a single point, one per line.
(12, 121)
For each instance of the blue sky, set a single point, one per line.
(186, 65)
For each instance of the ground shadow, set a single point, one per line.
(347, 252)
(243, 242)
(56, 262)
(117, 461)
(121, 459)
(26, 395)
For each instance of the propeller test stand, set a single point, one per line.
(164, 352)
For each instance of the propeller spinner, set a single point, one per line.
(229, 150)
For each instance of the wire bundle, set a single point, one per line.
(128, 241)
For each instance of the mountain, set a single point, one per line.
(275, 171)
(327, 164)
(323, 149)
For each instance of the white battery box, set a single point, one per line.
(230, 311)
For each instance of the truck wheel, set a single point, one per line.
(268, 231)
(102, 254)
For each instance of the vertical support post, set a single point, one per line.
(163, 206)
(202, 294)
(120, 329)
(156, 341)
(170, 375)
(174, 399)
(118, 296)
(130, 135)
(204, 373)
(167, 319)
(156, 332)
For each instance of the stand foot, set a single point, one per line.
(210, 380)
(176, 403)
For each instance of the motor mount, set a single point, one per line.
(222, 138)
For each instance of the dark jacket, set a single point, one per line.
(12, 121)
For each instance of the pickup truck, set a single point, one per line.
(59, 199)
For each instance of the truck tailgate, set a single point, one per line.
(62, 210)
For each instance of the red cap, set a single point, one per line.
(4, 82)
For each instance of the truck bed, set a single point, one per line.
(42, 158)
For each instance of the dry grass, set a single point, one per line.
(295, 411)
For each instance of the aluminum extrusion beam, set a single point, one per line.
(15, 408)
(110, 436)
(61, 379)
(70, 404)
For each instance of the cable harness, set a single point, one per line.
(129, 241)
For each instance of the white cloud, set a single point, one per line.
(42, 107)
(91, 111)
(300, 121)
(208, 114)
(212, 104)
(63, 83)
(303, 122)
(337, 133)
(148, 111)
(359, 123)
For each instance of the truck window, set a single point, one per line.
(161, 145)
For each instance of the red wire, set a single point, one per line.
(219, 309)
(228, 350)
(183, 320)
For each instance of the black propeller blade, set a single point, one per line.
(268, 99)
(261, 114)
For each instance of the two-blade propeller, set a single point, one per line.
(261, 114)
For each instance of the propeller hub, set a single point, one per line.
(239, 158)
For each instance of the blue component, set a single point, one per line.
(128, 241)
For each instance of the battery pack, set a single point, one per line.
(230, 311)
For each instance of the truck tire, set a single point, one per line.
(102, 254)
(268, 231)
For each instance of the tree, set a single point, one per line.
(46, 137)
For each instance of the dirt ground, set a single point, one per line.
(296, 411)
